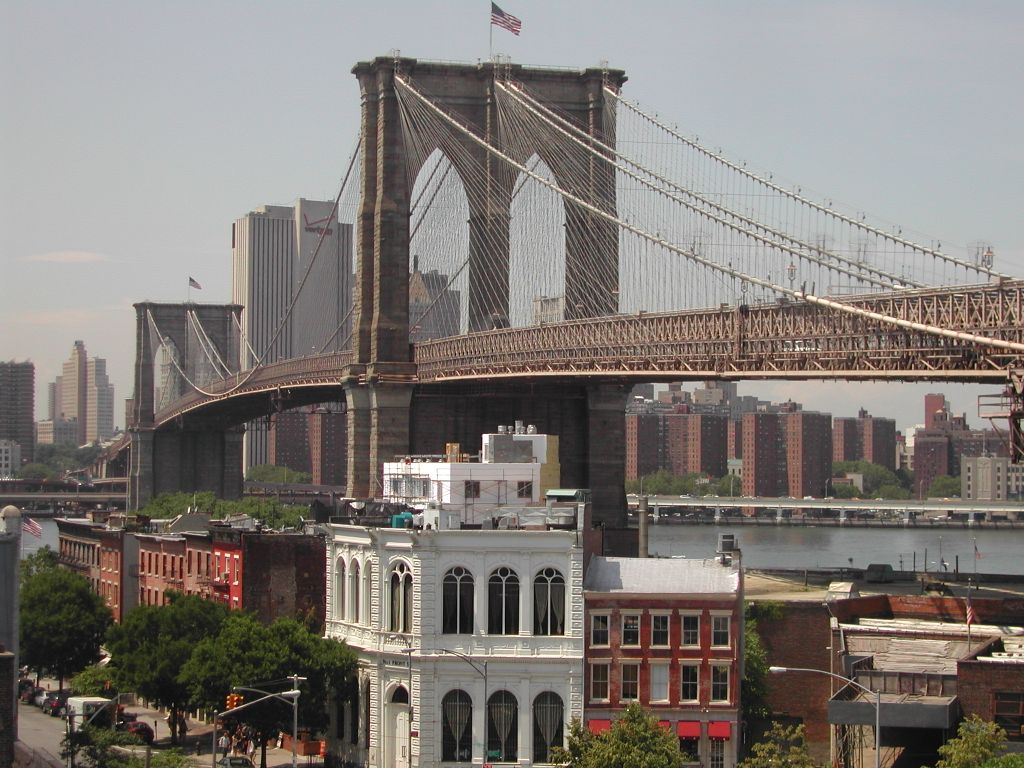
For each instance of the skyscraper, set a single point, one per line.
(81, 400)
(292, 271)
(71, 388)
(17, 406)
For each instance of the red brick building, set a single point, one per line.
(865, 438)
(667, 633)
(696, 443)
(643, 444)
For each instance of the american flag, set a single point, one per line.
(971, 616)
(193, 283)
(505, 20)
(28, 525)
(977, 552)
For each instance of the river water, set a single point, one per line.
(784, 546)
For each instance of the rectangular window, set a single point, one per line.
(717, 753)
(659, 630)
(659, 682)
(599, 682)
(719, 683)
(598, 630)
(524, 489)
(631, 629)
(689, 679)
(471, 489)
(691, 629)
(630, 689)
(1009, 713)
(720, 631)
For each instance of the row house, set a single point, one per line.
(668, 633)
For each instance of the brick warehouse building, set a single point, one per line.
(667, 633)
(915, 650)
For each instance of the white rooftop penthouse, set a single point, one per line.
(517, 466)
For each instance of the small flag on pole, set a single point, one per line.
(28, 525)
(977, 552)
(193, 283)
(971, 616)
(505, 20)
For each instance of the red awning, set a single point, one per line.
(666, 724)
(688, 729)
(599, 726)
(719, 729)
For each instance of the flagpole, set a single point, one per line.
(490, 44)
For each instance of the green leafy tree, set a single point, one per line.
(103, 748)
(635, 740)
(37, 471)
(269, 473)
(784, 746)
(62, 622)
(1015, 760)
(246, 653)
(843, 491)
(944, 487)
(94, 680)
(889, 491)
(976, 742)
(875, 475)
(151, 645)
(269, 512)
(754, 692)
(43, 559)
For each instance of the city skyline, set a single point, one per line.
(891, 108)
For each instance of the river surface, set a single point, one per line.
(783, 546)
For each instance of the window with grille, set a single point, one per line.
(691, 629)
(503, 602)
(631, 629)
(599, 630)
(524, 489)
(548, 725)
(503, 727)
(720, 631)
(689, 677)
(630, 688)
(719, 683)
(457, 602)
(471, 489)
(457, 727)
(1009, 713)
(599, 682)
(659, 682)
(549, 603)
(659, 630)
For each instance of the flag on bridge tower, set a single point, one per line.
(193, 283)
(505, 20)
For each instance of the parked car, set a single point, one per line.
(53, 704)
(137, 728)
(235, 761)
(40, 696)
(28, 695)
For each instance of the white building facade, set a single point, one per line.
(470, 641)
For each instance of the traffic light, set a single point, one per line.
(233, 700)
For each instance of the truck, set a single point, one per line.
(89, 710)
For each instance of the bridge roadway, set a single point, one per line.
(768, 341)
(926, 508)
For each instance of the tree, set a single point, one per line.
(94, 681)
(635, 740)
(36, 471)
(62, 622)
(892, 492)
(944, 487)
(1015, 760)
(874, 475)
(754, 692)
(246, 653)
(784, 747)
(151, 645)
(43, 559)
(976, 742)
(270, 473)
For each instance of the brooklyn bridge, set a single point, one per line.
(578, 244)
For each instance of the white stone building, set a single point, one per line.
(443, 619)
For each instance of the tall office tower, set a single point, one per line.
(99, 405)
(17, 406)
(282, 254)
(73, 397)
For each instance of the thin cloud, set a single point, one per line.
(68, 257)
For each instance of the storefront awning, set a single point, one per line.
(719, 729)
(688, 729)
(599, 726)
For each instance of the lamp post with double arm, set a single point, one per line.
(291, 696)
(877, 702)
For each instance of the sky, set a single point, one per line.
(133, 134)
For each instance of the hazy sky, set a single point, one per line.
(133, 133)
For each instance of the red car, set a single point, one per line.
(137, 728)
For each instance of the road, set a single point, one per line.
(43, 734)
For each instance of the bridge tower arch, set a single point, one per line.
(171, 460)
(379, 392)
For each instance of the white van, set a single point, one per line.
(89, 710)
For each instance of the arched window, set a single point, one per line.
(367, 591)
(401, 599)
(457, 602)
(549, 603)
(339, 590)
(503, 602)
(400, 695)
(547, 725)
(457, 721)
(503, 727)
(354, 585)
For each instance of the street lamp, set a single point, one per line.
(854, 683)
(292, 696)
